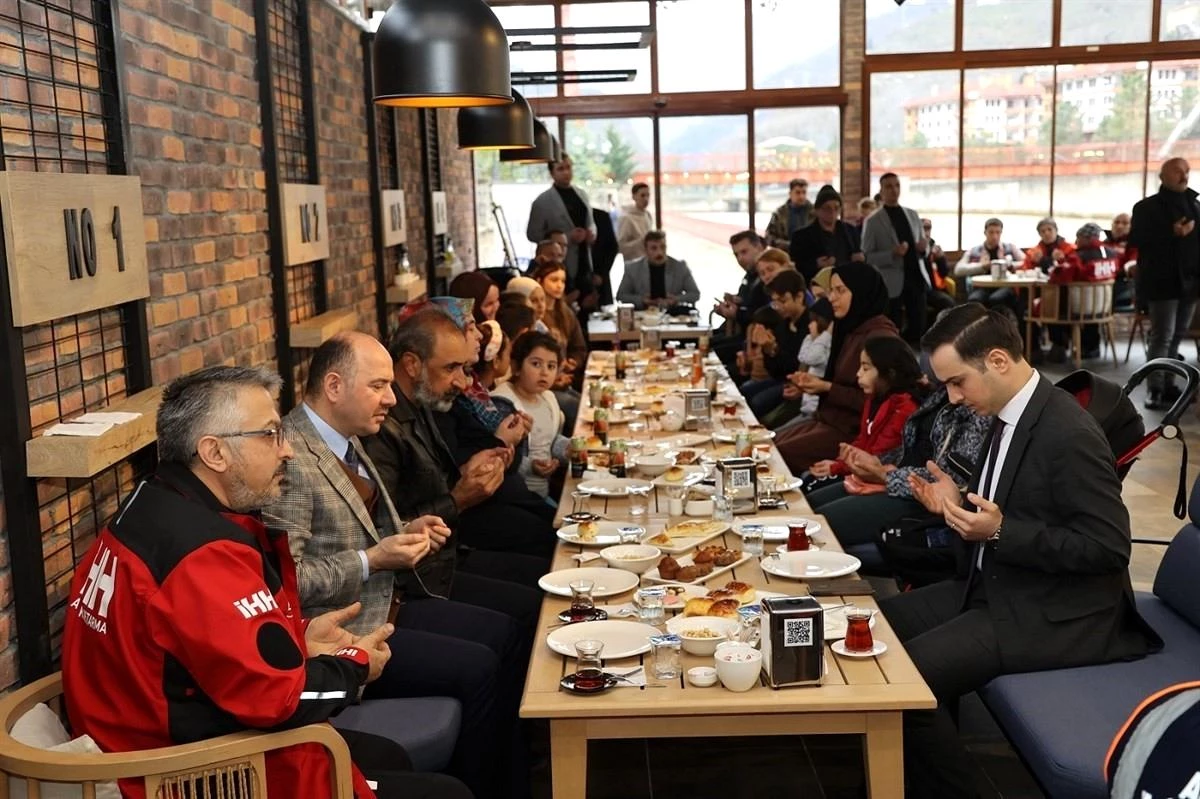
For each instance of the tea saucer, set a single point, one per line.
(596, 615)
(568, 684)
(839, 648)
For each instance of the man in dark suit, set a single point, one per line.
(1043, 551)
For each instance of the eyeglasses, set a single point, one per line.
(269, 432)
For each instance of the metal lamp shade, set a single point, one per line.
(441, 54)
(497, 127)
(542, 151)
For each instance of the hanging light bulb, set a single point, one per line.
(497, 127)
(441, 54)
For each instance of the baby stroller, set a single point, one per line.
(917, 550)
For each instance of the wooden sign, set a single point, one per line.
(391, 202)
(305, 223)
(441, 222)
(74, 243)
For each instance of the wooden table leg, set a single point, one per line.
(884, 751)
(568, 759)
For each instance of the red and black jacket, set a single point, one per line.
(882, 431)
(184, 624)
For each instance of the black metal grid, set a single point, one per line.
(290, 79)
(389, 177)
(301, 283)
(75, 364)
(433, 174)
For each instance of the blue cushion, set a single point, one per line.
(427, 727)
(1175, 582)
(1062, 722)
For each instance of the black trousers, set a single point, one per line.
(907, 311)
(513, 520)
(385, 762)
(956, 652)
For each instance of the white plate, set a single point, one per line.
(835, 622)
(652, 576)
(607, 534)
(839, 648)
(621, 639)
(693, 474)
(806, 565)
(607, 582)
(611, 486)
(756, 436)
(776, 526)
(684, 441)
(812, 543)
(679, 546)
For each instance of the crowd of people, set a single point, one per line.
(386, 536)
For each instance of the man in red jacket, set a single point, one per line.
(184, 620)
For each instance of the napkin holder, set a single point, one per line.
(625, 318)
(742, 475)
(697, 410)
(793, 641)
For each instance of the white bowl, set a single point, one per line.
(698, 507)
(635, 558)
(672, 421)
(654, 465)
(704, 647)
(702, 676)
(738, 666)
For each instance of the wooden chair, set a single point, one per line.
(236, 761)
(1074, 305)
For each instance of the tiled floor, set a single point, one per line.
(831, 766)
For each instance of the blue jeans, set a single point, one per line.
(763, 396)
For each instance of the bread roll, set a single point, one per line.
(675, 474)
(742, 592)
(726, 557)
(704, 556)
(725, 609)
(689, 573)
(668, 568)
(697, 607)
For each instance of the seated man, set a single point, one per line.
(1043, 563)
(419, 471)
(978, 261)
(198, 633)
(458, 638)
(780, 344)
(1118, 239)
(736, 309)
(657, 279)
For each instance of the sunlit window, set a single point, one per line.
(918, 26)
(503, 195)
(596, 15)
(516, 18)
(794, 143)
(1106, 21)
(1180, 20)
(778, 62)
(1174, 115)
(1007, 24)
(701, 45)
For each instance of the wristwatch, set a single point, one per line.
(995, 537)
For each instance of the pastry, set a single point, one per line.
(726, 557)
(686, 457)
(697, 607)
(704, 556)
(721, 593)
(594, 442)
(725, 609)
(661, 538)
(668, 568)
(742, 591)
(586, 531)
(705, 568)
(675, 474)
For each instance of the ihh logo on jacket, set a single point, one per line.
(257, 603)
(93, 601)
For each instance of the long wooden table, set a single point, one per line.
(859, 696)
(605, 331)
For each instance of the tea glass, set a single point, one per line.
(858, 630)
(589, 669)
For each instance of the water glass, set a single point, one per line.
(675, 500)
(766, 490)
(665, 650)
(649, 602)
(636, 429)
(639, 503)
(752, 539)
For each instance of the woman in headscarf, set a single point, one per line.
(482, 290)
(859, 299)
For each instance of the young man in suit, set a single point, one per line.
(1043, 546)
(893, 241)
(657, 279)
(457, 635)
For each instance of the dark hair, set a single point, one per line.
(514, 318)
(418, 333)
(638, 187)
(551, 164)
(878, 198)
(789, 281)
(993, 221)
(884, 177)
(545, 270)
(975, 331)
(529, 341)
(335, 355)
(544, 243)
(797, 183)
(512, 298)
(745, 235)
(654, 235)
(896, 364)
(767, 317)
(204, 403)
(473, 286)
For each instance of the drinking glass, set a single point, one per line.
(766, 494)
(589, 669)
(797, 535)
(858, 630)
(752, 539)
(649, 602)
(583, 607)
(581, 503)
(636, 429)
(675, 500)
(665, 650)
(639, 503)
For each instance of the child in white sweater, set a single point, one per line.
(814, 350)
(534, 367)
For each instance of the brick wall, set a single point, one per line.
(344, 160)
(854, 166)
(458, 171)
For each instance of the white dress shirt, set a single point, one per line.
(1010, 414)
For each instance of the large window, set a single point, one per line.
(995, 25)
(1106, 21)
(778, 62)
(794, 143)
(512, 188)
(918, 26)
(1180, 19)
(596, 15)
(516, 18)
(701, 45)
(1174, 114)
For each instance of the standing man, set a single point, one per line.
(894, 243)
(566, 207)
(636, 221)
(793, 215)
(827, 242)
(1167, 238)
(1043, 562)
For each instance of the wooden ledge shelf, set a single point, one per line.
(312, 333)
(411, 290)
(77, 456)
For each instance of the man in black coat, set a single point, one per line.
(1043, 548)
(1166, 234)
(828, 241)
(737, 309)
(604, 253)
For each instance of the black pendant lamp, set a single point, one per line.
(542, 151)
(441, 54)
(497, 127)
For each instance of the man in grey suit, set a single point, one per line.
(893, 241)
(1043, 545)
(657, 279)
(350, 545)
(566, 207)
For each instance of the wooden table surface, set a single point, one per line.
(606, 330)
(1007, 282)
(859, 696)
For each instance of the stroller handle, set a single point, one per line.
(1189, 374)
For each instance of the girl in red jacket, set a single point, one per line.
(889, 375)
